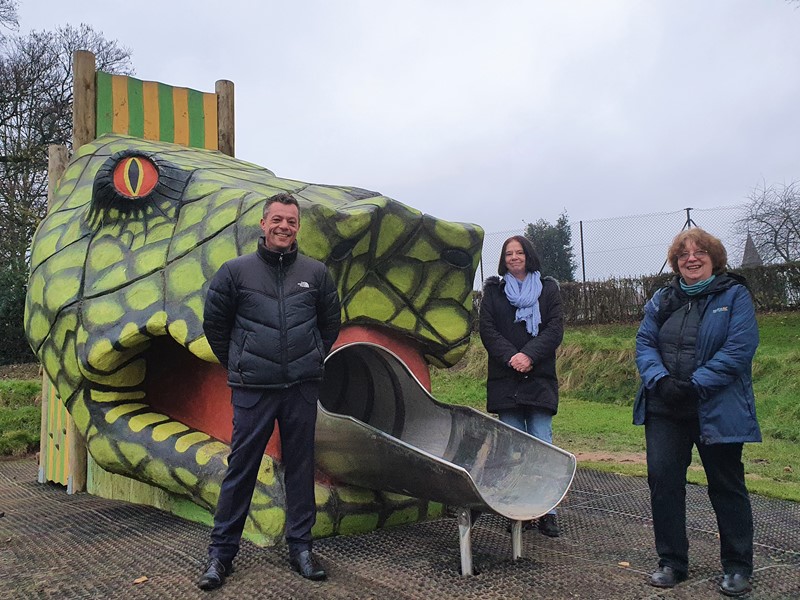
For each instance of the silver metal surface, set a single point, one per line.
(516, 539)
(464, 519)
(379, 428)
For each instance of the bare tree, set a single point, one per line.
(35, 111)
(773, 221)
(8, 15)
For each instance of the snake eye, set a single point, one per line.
(135, 176)
(135, 184)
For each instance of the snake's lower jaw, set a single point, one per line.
(139, 420)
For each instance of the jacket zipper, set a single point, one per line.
(281, 317)
(680, 337)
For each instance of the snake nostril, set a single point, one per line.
(457, 258)
(342, 250)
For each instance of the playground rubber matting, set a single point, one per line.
(53, 545)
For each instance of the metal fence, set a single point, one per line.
(630, 246)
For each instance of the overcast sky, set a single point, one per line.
(493, 112)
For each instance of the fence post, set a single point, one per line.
(687, 225)
(583, 257)
(585, 306)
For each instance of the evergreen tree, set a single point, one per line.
(553, 243)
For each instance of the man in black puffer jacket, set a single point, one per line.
(270, 318)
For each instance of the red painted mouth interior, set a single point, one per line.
(196, 392)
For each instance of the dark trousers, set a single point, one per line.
(254, 416)
(669, 453)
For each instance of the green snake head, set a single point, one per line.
(119, 272)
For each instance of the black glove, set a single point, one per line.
(688, 390)
(667, 388)
(672, 389)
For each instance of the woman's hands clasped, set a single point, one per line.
(521, 362)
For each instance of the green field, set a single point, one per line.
(599, 380)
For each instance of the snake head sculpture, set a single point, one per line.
(119, 271)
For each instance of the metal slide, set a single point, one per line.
(379, 428)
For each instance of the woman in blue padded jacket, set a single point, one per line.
(694, 352)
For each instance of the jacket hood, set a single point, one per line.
(493, 280)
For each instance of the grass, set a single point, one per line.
(20, 417)
(599, 380)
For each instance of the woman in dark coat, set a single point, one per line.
(521, 326)
(694, 352)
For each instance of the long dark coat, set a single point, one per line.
(503, 338)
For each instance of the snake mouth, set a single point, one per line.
(195, 392)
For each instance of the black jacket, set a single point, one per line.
(271, 318)
(503, 338)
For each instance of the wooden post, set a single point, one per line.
(225, 117)
(84, 106)
(57, 158)
(84, 128)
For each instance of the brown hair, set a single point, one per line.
(532, 262)
(704, 241)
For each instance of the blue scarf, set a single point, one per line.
(525, 296)
(695, 288)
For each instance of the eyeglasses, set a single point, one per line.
(698, 254)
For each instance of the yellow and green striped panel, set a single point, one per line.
(156, 111)
(56, 458)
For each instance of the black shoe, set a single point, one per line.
(735, 584)
(214, 575)
(548, 525)
(306, 564)
(666, 577)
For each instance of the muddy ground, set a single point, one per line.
(22, 371)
